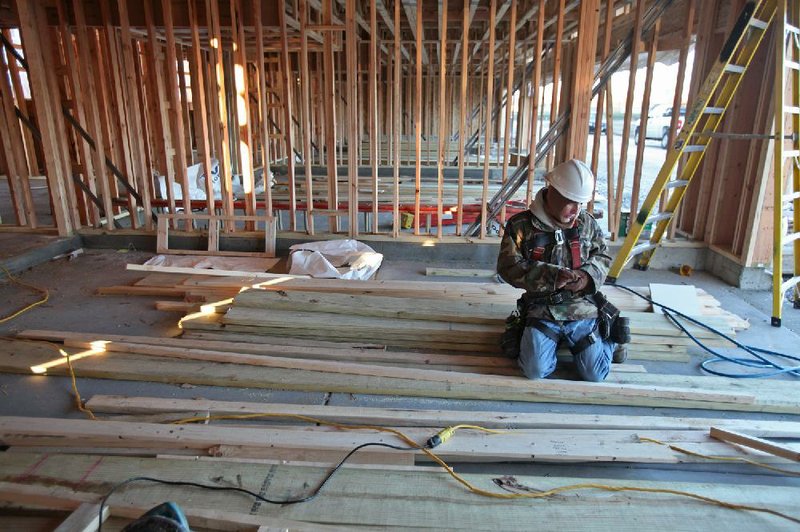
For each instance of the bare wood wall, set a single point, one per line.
(358, 109)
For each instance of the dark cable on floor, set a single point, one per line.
(253, 494)
(761, 362)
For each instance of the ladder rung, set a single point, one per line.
(640, 248)
(677, 183)
(794, 65)
(792, 29)
(658, 217)
(734, 69)
(791, 109)
(786, 198)
(791, 153)
(790, 238)
(691, 148)
(757, 23)
(790, 283)
(714, 110)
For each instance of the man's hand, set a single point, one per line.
(565, 278)
(580, 282)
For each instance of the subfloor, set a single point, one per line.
(74, 306)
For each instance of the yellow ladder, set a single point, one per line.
(701, 122)
(787, 69)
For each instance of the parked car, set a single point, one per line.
(658, 121)
(602, 128)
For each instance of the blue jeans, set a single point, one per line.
(537, 356)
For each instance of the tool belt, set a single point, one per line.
(610, 325)
(556, 298)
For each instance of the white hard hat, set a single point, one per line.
(573, 179)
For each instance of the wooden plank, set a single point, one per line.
(402, 417)
(773, 396)
(752, 442)
(567, 388)
(86, 518)
(465, 23)
(219, 273)
(459, 272)
(49, 114)
(427, 493)
(68, 499)
(521, 445)
(16, 166)
(555, 104)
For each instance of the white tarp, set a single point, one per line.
(197, 183)
(335, 259)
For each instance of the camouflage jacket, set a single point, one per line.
(538, 278)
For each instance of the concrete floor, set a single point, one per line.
(74, 306)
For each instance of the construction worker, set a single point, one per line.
(556, 251)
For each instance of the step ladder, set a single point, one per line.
(787, 69)
(702, 120)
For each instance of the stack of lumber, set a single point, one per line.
(276, 363)
(463, 317)
(69, 465)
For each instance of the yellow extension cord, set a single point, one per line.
(539, 495)
(42, 301)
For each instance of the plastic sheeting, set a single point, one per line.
(335, 259)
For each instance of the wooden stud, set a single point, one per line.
(555, 106)
(135, 129)
(373, 110)
(462, 115)
(536, 82)
(288, 130)
(688, 31)
(396, 122)
(305, 85)
(580, 99)
(598, 115)
(329, 94)
(264, 111)
(353, 137)
(418, 113)
(626, 124)
(13, 149)
(221, 109)
(488, 117)
(512, 25)
(158, 95)
(442, 124)
(199, 104)
(637, 172)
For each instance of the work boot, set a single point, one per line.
(620, 354)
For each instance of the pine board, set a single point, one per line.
(379, 499)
